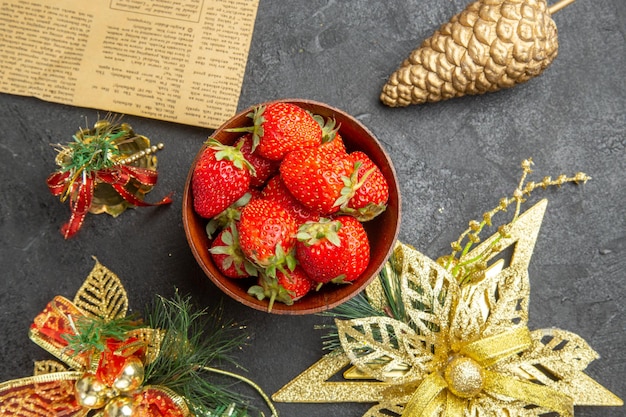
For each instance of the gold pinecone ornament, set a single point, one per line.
(491, 45)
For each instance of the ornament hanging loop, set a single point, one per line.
(258, 389)
(559, 6)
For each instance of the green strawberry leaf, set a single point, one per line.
(257, 291)
(256, 129)
(311, 233)
(341, 279)
(329, 131)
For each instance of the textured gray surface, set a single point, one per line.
(455, 160)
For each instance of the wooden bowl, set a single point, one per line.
(382, 231)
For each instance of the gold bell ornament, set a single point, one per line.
(489, 46)
(106, 169)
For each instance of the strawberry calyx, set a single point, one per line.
(338, 280)
(227, 217)
(256, 129)
(233, 256)
(281, 261)
(329, 127)
(230, 153)
(270, 288)
(311, 233)
(285, 288)
(366, 213)
(341, 279)
(351, 184)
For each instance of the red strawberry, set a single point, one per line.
(331, 139)
(280, 128)
(228, 257)
(370, 189)
(335, 250)
(355, 238)
(335, 144)
(286, 288)
(315, 177)
(267, 235)
(264, 168)
(221, 176)
(275, 190)
(296, 282)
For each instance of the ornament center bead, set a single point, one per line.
(464, 376)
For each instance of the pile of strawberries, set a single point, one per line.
(286, 203)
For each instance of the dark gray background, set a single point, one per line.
(454, 159)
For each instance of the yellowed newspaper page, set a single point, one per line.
(176, 60)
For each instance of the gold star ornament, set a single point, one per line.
(451, 338)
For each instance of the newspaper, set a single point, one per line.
(176, 60)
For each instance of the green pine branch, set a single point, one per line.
(91, 333)
(193, 341)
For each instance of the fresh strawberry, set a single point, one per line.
(354, 237)
(334, 250)
(296, 282)
(280, 128)
(335, 144)
(228, 257)
(221, 176)
(263, 168)
(286, 287)
(255, 194)
(267, 235)
(275, 190)
(370, 189)
(316, 176)
(331, 139)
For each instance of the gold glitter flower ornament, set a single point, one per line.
(451, 338)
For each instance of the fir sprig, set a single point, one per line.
(193, 344)
(93, 152)
(362, 306)
(91, 333)
(94, 149)
(192, 340)
(356, 307)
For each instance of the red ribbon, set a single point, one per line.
(81, 191)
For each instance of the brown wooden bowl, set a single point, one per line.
(382, 231)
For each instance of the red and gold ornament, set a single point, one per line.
(111, 380)
(105, 356)
(105, 169)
